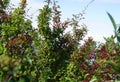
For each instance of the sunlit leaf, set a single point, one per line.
(1, 49)
(113, 21)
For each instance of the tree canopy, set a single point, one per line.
(48, 53)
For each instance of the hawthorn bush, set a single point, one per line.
(48, 53)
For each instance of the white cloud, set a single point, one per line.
(101, 1)
(33, 7)
(108, 1)
(31, 3)
(99, 30)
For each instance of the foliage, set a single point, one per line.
(48, 53)
(117, 30)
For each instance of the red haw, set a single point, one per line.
(103, 53)
(19, 43)
(4, 17)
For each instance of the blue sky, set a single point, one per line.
(96, 19)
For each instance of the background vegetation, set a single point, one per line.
(48, 53)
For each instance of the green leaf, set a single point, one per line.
(113, 21)
(118, 34)
(115, 66)
(118, 37)
(1, 49)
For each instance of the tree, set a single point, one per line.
(48, 53)
(41, 58)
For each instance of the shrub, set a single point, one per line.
(48, 53)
